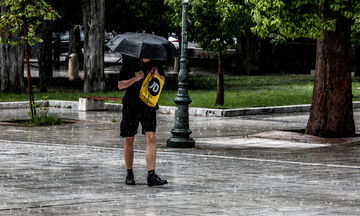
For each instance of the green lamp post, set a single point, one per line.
(181, 132)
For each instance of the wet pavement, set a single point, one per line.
(236, 168)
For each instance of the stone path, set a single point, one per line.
(78, 169)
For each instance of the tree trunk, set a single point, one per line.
(56, 51)
(94, 30)
(32, 106)
(75, 44)
(11, 68)
(220, 82)
(72, 40)
(249, 55)
(45, 57)
(357, 60)
(331, 113)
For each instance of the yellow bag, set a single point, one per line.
(151, 89)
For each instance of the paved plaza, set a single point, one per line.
(243, 165)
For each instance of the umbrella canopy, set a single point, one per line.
(142, 45)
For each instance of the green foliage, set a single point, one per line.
(356, 31)
(213, 23)
(299, 18)
(43, 119)
(16, 14)
(176, 12)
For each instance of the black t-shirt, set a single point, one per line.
(128, 71)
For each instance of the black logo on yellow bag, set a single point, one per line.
(154, 87)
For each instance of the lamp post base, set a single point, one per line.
(180, 142)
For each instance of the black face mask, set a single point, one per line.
(145, 66)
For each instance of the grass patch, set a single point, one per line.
(240, 91)
(43, 120)
(248, 91)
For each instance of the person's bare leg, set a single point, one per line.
(150, 154)
(129, 159)
(129, 152)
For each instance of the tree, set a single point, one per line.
(94, 37)
(214, 25)
(355, 36)
(18, 23)
(11, 61)
(331, 113)
(134, 16)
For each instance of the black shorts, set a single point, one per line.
(132, 114)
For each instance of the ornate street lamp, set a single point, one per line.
(181, 132)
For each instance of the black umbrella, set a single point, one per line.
(142, 45)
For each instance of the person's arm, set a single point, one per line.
(156, 72)
(123, 84)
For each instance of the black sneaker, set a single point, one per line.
(129, 179)
(154, 180)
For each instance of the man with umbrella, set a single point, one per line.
(147, 49)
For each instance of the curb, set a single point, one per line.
(170, 110)
(238, 112)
